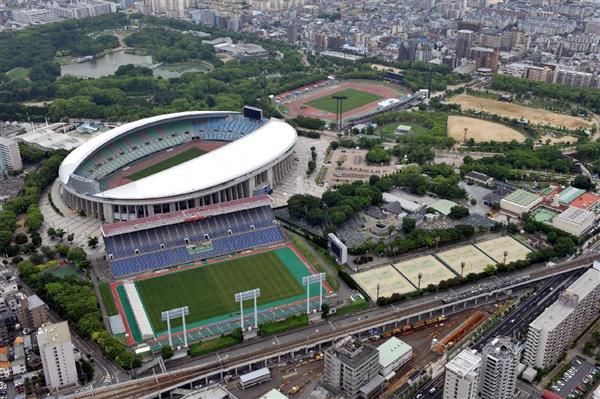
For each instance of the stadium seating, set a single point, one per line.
(138, 145)
(166, 246)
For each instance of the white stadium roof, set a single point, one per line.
(233, 160)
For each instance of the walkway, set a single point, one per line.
(70, 222)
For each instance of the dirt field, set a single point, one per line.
(296, 104)
(533, 115)
(388, 279)
(480, 130)
(432, 270)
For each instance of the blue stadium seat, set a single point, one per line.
(166, 246)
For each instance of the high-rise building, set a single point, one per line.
(485, 57)
(462, 376)
(292, 33)
(10, 156)
(552, 332)
(56, 351)
(464, 40)
(499, 367)
(352, 366)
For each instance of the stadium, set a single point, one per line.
(176, 162)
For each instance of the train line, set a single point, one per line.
(151, 386)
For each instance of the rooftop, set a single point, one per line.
(391, 350)
(569, 194)
(34, 301)
(466, 362)
(521, 197)
(351, 351)
(575, 215)
(56, 334)
(273, 394)
(585, 201)
(443, 206)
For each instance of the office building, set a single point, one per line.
(552, 332)
(464, 40)
(462, 376)
(393, 354)
(56, 351)
(499, 367)
(351, 365)
(10, 156)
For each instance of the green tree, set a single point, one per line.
(166, 352)
(458, 212)
(77, 255)
(582, 182)
(408, 224)
(92, 241)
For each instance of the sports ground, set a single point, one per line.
(388, 279)
(475, 260)
(208, 289)
(432, 270)
(480, 130)
(354, 99)
(511, 110)
(315, 100)
(495, 249)
(165, 164)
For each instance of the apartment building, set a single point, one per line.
(552, 332)
(10, 156)
(56, 351)
(462, 376)
(499, 366)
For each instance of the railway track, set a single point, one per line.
(148, 386)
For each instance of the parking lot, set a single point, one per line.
(575, 381)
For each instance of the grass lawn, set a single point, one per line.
(201, 348)
(356, 98)
(18, 73)
(209, 290)
(277, 327)
(167, 163)
(107, 298)
(388, 130)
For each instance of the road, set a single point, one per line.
(517, 320)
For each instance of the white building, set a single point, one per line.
(393, 354)
(519, 202)
(10, 156)
(551, 334)
(56, 351)
(462, 376)
(499, 369)
(575, 221)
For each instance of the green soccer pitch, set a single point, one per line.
(356, 98)
(209, 290)
(167, 163)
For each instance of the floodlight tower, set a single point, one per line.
(338, 110)
(175, 314)
(245, 295)
(307, 281)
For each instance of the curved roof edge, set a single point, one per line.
(235, 159)
(78, 155)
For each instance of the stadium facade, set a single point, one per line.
(253, 156)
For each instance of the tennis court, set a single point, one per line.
(432, 270)
(389, 280)
(475, 260)
(495, 249)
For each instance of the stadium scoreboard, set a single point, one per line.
(337, 248)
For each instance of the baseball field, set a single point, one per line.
(511, 110)
(481, 130)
